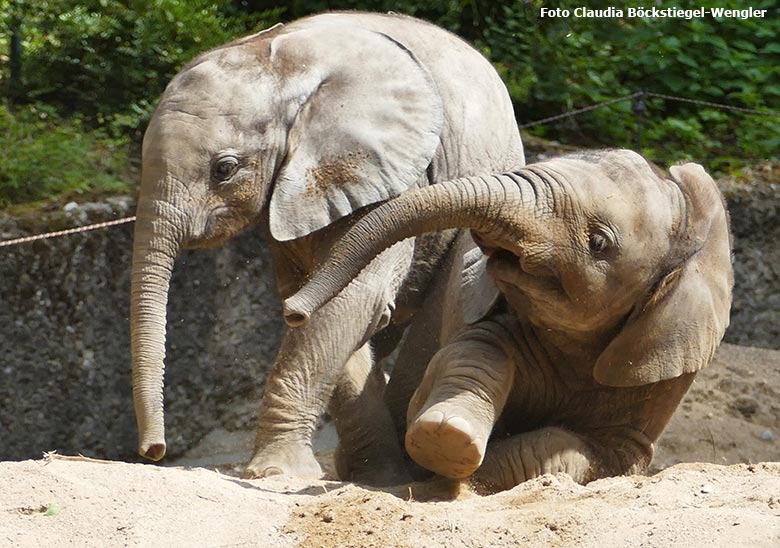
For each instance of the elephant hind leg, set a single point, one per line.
(457, 404)
(513, 460)
(553, 450)
(368, 450)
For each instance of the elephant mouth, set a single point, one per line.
(534, 263)
(222, 224)
(487, 246)
(533, 278)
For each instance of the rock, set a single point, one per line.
(754, 205)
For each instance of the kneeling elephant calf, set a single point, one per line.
(613, 289)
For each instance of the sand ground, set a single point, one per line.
(715, 482)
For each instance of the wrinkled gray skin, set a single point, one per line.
(299, 128)
(614, 284)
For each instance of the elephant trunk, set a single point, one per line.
(492, 206)
(156, 243)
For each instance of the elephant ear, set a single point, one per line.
(367, 127)
(479, 290)
(679, 327)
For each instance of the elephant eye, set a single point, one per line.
(598, 242)
(224, 168)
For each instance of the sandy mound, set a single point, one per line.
(732, 414)
(118, 504)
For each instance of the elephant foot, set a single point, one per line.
(445, 440)
(291, 460)
(378, 470)
(452, 412)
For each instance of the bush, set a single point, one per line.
(42, 156)
(109, 60)
(105, 63)
(557, 64)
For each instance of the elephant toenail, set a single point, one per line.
(272, 471)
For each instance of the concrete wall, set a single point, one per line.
(65, 349)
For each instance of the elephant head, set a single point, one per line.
(301, 125)
(601, 250)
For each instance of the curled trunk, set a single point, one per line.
(489, 205)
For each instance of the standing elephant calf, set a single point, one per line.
(301, 129)
(614, 286)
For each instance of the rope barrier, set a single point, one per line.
(579, 111)
(66, 232)
(642, 94)
(630, 97)
(768, 113)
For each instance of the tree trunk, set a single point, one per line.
(14, 22)
(14, 88)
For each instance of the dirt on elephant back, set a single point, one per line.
(731, 415)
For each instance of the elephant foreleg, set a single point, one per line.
(311, 362)
(553, 450)
(462, 394)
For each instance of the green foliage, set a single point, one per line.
(42, 156)
(103, 64)
(109, 60)
(91, 74)
(575, 62)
